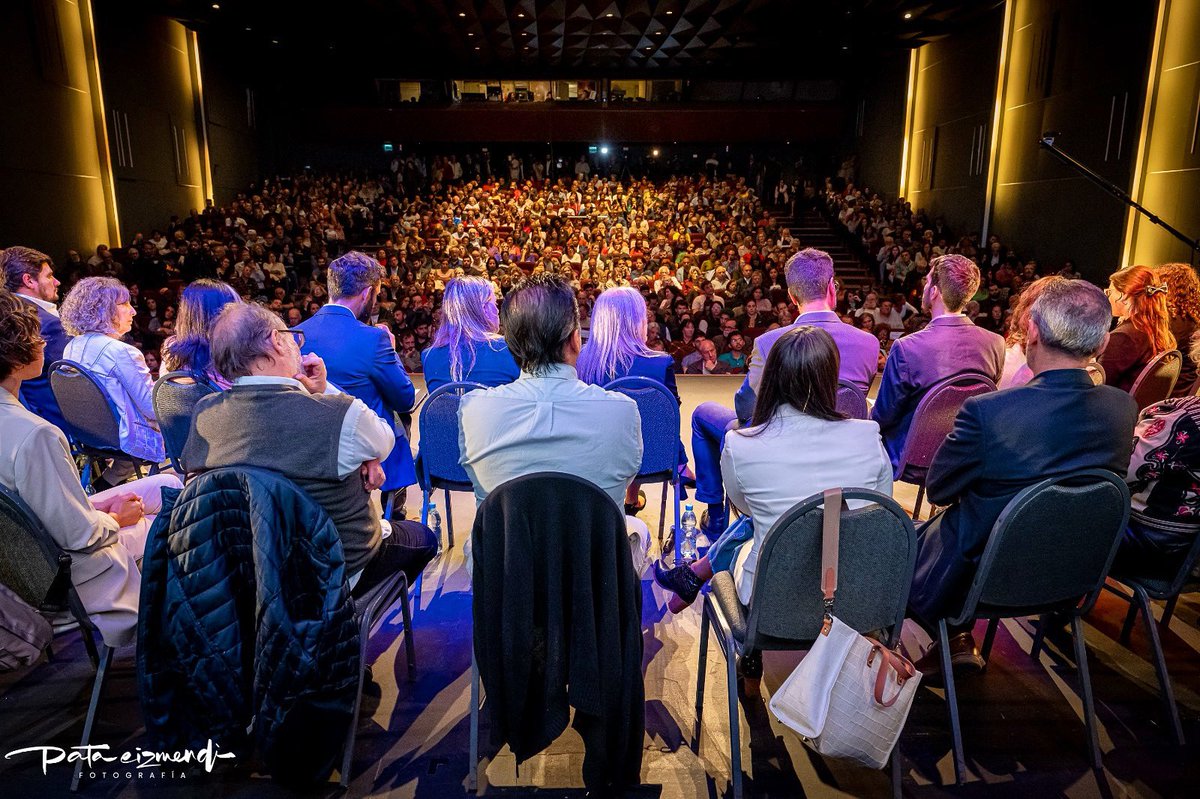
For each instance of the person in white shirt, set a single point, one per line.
(104, 534)
(797, 444)
(548, 420)
(98, 314)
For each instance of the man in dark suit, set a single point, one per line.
(361, 359)
(1005, 441)
(811, 284)
(950, 345)
(30, 275)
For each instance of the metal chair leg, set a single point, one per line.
(106, 656)
(988, 639)
(897, 774)
(1169, 611)
(1039, 638)
(700, 674)
(449, 521)
(89, 643)
(662, 520)
(364, 634)
(1085, 685)
(425, 496)
(410, 649)
(735, 744)
(960, 765)
(473, 766)
(1160, 663)
(917, 506)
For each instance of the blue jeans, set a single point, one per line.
(724, 550)
(709, 421)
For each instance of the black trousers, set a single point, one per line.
(409, 548)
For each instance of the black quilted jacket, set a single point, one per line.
(246, 619)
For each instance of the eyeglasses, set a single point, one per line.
(297, 335)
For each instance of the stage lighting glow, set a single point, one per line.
(908, 15)
(604, 149)
(654, 152)
(462, 13)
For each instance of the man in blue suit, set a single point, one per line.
(361, 359)
(30, 275)
(1005, 441)
(812, 287)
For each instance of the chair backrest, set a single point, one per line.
(31, 561)
(1157, 380)
(934, 417)
(877, 551)
(86, 407)
(1096, 373)
(175, 397)
(438, 426)
(1051, 547)
(659, 412)
(851, 401)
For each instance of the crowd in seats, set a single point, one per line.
(310, 341)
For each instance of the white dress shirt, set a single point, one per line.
(796, 456)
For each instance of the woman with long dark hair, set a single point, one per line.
(1138, 296)
(188, 350)
(797, 444)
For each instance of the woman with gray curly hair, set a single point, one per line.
(99, 314)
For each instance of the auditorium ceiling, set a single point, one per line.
(486, 38)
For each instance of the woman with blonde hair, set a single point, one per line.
(467, 345)
(1183, 305)
(98, 314)
(1138, 296)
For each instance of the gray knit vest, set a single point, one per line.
(295, 433)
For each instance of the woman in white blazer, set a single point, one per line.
(98, 314)
(797, 444)
(104, 534)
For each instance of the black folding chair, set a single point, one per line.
(35, 568)
(1047, 554)
(877, 552)
(92, 418)
(175, 396)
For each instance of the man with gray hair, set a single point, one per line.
(1005, 441)
(812, 287)
(361, 358)
(950, 345)
(280, 414)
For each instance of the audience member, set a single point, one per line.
(1138, 298)
(548, 420)
(30, 275)
(797, 444)
(190, 349)
(949, 346)
(707, 362)
(467, 344)
(1183, 308)
(1004, 441)
(104, 534)
(361, 359)
(98, 314)
(1016, 370)
(335, 443)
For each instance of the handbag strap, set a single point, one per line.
(829, 550)
(901, 665)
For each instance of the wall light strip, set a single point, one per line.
(99, 118)
(206, 181)
(998, 117)
(1138, 186)
(910, 105)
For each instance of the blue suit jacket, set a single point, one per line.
(1003, 442)
(494, 366)
(36, 394)
(361, 362)
(949, 346)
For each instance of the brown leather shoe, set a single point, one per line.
(964, 657)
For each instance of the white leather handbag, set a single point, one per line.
(850, 695)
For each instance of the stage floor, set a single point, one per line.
(1022, 720)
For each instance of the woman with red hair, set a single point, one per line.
(1138, 296)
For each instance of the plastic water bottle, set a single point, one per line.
(435, 523)
(687, 547)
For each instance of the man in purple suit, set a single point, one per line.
(812, 287)
(949, 346)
